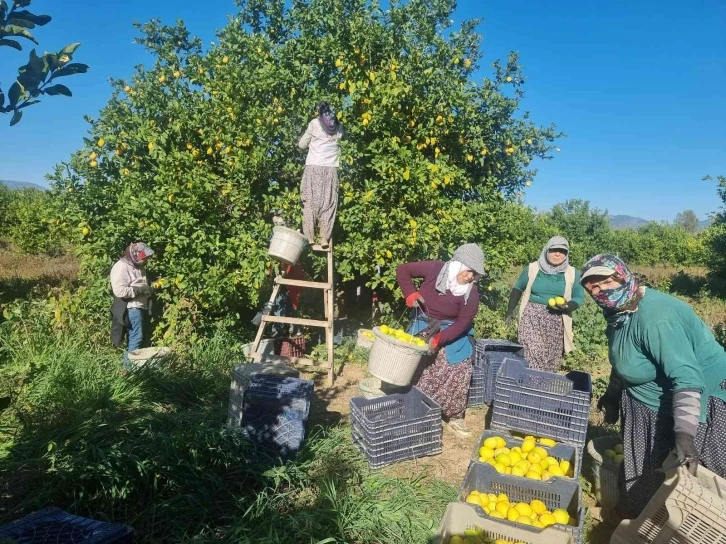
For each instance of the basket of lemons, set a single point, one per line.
(395, 355)
(365, 338)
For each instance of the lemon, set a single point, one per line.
(499, 468)
(546, 476)
(561, 516)
(491, 443)
(512, 515)
(536, 468)
(502, 507)
(518, 471)
(501, 450)
(472, 499)
(547, 442)
(524, 465)
(565, 466)
(551, 302)
(536, 523)
(491, 461)
(560, 300)
(514, 457)
(541, 452)
(544, 463)
(492, 498)
(503, 459)
(533, 475)
(491, 505)
(528, 446)
(486, 453)
(534, 458)
(524, 520)
(523, 508)
(618, 449)
(547, 519)
(538, 507)
(502, 497)
(385, 329)
(517, 449)
(554, 470)
(552, 461)
(474, 492)
(507, 470)
(501, 441)
(497, 515)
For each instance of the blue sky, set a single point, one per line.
(637, 86)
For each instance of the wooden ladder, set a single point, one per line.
(328, 297)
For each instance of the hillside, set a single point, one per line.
(626, 222)
(21, 185)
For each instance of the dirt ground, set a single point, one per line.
(332, 405)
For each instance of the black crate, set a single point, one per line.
(492, 362)
(556, 493)
(396, 427)
(477, 387)
(53, 525)
(505, 346)
(542, 403)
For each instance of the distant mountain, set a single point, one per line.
(626, 222)
(703, 224)
(21, 185)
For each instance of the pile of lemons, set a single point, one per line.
(368, 334)
(403, 336)
(528, 460)
(471, 536)
(535, 513)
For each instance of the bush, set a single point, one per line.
(30, 221)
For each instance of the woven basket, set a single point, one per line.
(392, 360)
(605, 471)
(286, 245)
(363, 342)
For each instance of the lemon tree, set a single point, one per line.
(195, 154)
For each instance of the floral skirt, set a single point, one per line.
(542, 335)
(447, 384)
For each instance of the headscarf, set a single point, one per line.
(613, 301)
(327, 118)
(466, 257)
(457, 289)
(138, 251)
(556, 242)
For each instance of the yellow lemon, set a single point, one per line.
(502, 497)
(499, 468)
(501, 450)
(507, 470)
(546, 476)
(491, 461)
(560, 300)
(538, 506)
(501, 442)
(561, 516)
(492, 505)
(502, 507)
(541, 452)
(514, 457)
(524, 520)
(552, 461)
(544, 463)
(537, 524)
(536, 468)
(565, 466)
(492, 497)
(486, 453)
(524, 465)
(547, 519)
(497, 515)
(551, 303)
(554, 470)
(503, 459)
(472, 499)
(533, 475)
(518, 471)
(528, 446)
(512, 515)
(547, 442)
(384, 329)
(523, 508)
(517, 449)
(534, 458)
(492, 443)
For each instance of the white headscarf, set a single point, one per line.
(457, 289)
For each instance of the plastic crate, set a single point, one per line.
(241, 377)
(396, 427)
(542, 403)
(53, 525)
(605, 472)
(685, 510)
(561, 451)
(506, 346)
(461, 519)
(275, 412)
(556, 493)
(492, 361)
(477, 387)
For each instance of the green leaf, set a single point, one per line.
(71, 69)
(69, 49)
(16, 91)
(11, 43)
(57, 89)
(12, 30)
(26, 104)
(25, 15)
(16, 117)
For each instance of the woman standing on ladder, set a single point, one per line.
(545, 330)
(319, 189)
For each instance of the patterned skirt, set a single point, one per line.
(542, 335)
(648, 439)
(447, 384)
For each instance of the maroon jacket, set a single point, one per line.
(439, 306)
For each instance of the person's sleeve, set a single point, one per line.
(407, 271)
(462, 324)
(670, 347)
(120, 283)
(306, 137)
(522, 280)
(578, 291)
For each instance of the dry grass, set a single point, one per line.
(19, 266)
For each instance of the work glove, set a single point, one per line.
(434, 343)
(143, 290)
(413, 298)
(610, 404)
(687, 452)
(566, 308)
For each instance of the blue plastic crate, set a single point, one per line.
(281, 392)
(53, 525)
(556, 493)
(477, 386)
(396, 427)
(542, 403)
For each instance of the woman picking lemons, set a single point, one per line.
(448, 295)
(552, 291)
